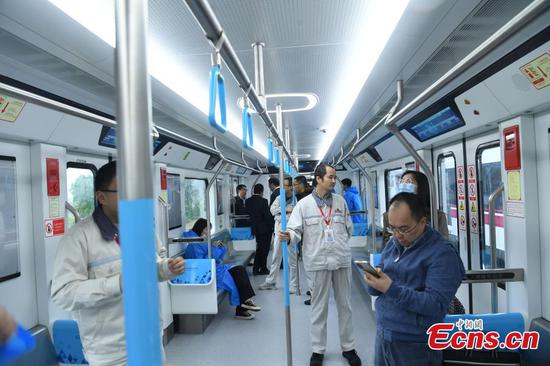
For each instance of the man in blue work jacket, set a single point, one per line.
(419, 273)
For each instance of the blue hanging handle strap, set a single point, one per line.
(248, 134)
(217, 97)
(276, 162)
(270, 150)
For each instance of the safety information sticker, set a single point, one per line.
(538, 71)
(10, 108)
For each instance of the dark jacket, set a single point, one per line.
(425, 279)
(261, 219)
(240, 209)
(299, 196)
(276, 192)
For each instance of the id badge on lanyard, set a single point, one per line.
(328, 232)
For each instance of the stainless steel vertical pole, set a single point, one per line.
(208, 208)
(135, 184)
(258, 48)
(284, 248)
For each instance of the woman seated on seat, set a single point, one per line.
(232, 279)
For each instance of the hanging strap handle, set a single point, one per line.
(217, 98)
(248, 133)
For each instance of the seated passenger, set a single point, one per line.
(416, 182)
(87, 276)
(420, 272)
(232, 279)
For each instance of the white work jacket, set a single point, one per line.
(307, 224)
(86, 282)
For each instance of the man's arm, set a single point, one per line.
(71, 288)
(442, 280)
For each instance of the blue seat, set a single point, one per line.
(241, 233)
(67, 344)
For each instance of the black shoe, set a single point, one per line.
(307, 302)
(316, 359)
(352, 357)
(241, 313)
(264, 272)
(308, 293)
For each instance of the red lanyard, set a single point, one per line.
(327, 221)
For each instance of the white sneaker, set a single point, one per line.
(267, 286)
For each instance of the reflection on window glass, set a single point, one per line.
(195, 206)
(80, 183)
(174, 201)
(489, 179)
(448, 194)
(392, 183)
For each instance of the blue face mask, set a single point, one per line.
(407, 187)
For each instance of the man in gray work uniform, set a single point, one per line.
(322, 222)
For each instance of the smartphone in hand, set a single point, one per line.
(367, 267)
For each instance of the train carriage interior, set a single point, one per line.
(195, 98)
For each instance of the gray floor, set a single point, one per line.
(261, 341)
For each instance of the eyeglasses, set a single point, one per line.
(108, 190)
(402, 230)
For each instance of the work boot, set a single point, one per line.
(352, 357)
(316, 359)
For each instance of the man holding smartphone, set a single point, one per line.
(418, 275)
(322, 222)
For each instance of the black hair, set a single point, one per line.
(259, 189)
(423, 187)
(346, 182)
(289, 180)
(274, 181)
(105, 176)
(302, 180)
(321, 171)
(239, 187)
(199, 226)
(418, 210)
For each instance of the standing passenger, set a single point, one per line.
(353, 199)
(240, 206)
(271, 279)
(274, 184)
(302, 190)
(322, 221)
(87, 276)
(419, 274)
(261, 222)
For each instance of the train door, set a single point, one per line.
(17, 253)
(450, 179)
(482, 178)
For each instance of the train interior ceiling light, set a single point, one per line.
(99, 18)
(364, 50)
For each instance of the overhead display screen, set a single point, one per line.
(307, 165)
(240, 170)
(107, 138)
(443, 121)
(212, 161)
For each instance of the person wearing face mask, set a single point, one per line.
(233, 279)
(416, 182)
(418, 275)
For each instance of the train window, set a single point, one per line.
(446, 166)
(391, 181)
(174, 201)
(195, 200)
(374, 176)
(489, 179)
(80, 189)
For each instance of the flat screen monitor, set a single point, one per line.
(212, 161)
(240, 170)
(107, 138)
(174, 201)
(307, 165)
(437, 124)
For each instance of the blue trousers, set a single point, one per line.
(391, 353)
